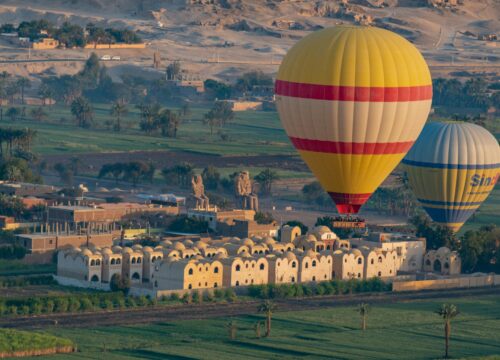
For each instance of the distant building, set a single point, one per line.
(47, 242)
(442, 261)
(214, 215)
(25, 189)
(244, 105)
(45, 44)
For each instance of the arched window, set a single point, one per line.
(261, 267)
(216, 270)
(360, 261)
(314, 278)
(446, 265)
(92, 262)
(133, 260)
(237, 283)
(372, 261)
(94, 278)
(139, 260)
(293, 278)
(215, 284)
(118, 261)
(153, 259)
(190, 272)
(359, 275)
(379, 273)
(380, 259)
(156, 283)
(327, 247)
(190, 286)
(314, 263)
(294, 264)
(113, 261)
(306, 265)
(238, 267)
(136, 276)
(98, 262)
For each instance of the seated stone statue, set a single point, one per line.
(244, 192)
(198, 188)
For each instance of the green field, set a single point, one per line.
(13, 341)
(249, 134)
(395, 331)
(17, 267)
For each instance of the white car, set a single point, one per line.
(106, 57)
(116, 58)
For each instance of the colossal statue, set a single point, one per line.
(248, 199)
(198, 188)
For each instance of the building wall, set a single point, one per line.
(453, 283)
(188, 274)
(245, 271)
(315, 268)
(348, 265)
(283, 270)
(115, 46)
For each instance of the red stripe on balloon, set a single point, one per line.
(348, 203)
(340, 147)
(353, 93)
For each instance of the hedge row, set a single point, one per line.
(18, 281)
(333, 287)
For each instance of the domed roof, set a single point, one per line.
(269, 240)
(179, 246)
(310, 238)
(199, 257)
(188, 243)
(127, 250)
(322, 229)
(158, 248)
(248, 242)
(257, 238)
(137, 247)
(107, 251)
(200, 244)
(235, 240)
(147, 249)
(356, 252)
(220, 256)
(310, 253)
(166, 243)
(290, 256)
(86, 252)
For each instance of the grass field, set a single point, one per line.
(17, 267)
(250, 133)
(395, 331)
(14, 340)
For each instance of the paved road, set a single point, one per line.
(203, 311)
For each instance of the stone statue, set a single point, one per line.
(244, 192)
(199, 192)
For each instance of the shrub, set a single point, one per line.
(120, 283)
(174, 297)
(61, 305)
(230, 295)
(86, 304)
(49, 306)
(218, 294)
(74, 304)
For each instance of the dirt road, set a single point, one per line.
(203, 311)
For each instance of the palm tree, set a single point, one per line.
(268, 307)
(82, 111)
(38, 113)
(447, 312)
(267, 177)
(363, 310)
(118, 110)
(23, 83)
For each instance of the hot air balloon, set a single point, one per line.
(452, 168)
(353, 100)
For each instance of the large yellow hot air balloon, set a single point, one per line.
(452, 169)
(353, 100)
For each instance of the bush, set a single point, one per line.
(120, 283)
(174, 297)
(61, 305)
(74, 304)
(230, 295)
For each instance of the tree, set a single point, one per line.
(118, 110)
(173, 70)
(149, 114)
(263, 217)
(363, 310)
(82, 111)
(179, 174)
(13, 113)
(120, 283)
(303, 228)
(448, 312)
(38, 114)
(268, 307)
(65, 173)
(267, 178)
(23, 83)
(168, 121)
(220, 114)
(211, 177)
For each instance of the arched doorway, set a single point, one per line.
(136, 276)
(94, 278)
(437, 266)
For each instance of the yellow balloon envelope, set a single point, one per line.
(353, 100)
(452, 169)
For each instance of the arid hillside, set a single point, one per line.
(222, 37)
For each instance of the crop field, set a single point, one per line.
(408, 330)
(251, 133)
(20, 341)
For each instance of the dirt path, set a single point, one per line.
(203, 311)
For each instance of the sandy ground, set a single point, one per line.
(207, 40)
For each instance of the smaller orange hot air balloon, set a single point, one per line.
(353, 100)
